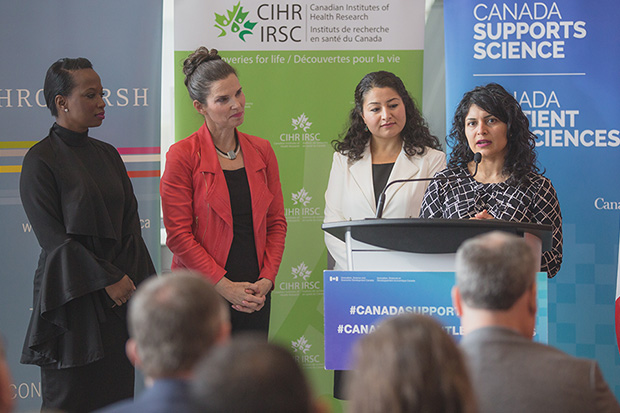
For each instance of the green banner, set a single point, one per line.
(299, 99)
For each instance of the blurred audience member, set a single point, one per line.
(495, 296)
(174, 320)
(250, 375)
(409, 364)
(7, 398)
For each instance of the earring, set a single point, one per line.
(66, 110)
(366, 128)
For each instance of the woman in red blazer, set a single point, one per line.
(221, 196)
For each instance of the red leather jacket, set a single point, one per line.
(196, 205)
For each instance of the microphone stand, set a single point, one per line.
(381, 203)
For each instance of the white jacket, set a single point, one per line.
(350, 192)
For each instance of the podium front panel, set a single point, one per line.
(356, 301)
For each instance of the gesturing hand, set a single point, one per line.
(483, 215)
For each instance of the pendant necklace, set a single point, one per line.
(232, 154)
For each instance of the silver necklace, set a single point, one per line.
(232, 154)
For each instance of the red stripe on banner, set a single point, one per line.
(143, 174)
(139, 151)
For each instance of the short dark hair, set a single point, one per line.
(493, 270)
(59, 80)
(251, 375)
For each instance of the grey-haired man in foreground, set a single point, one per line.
(495, 297)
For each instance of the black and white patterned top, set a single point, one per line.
(464, 197)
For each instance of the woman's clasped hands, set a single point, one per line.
(121, 291)
(244, 296)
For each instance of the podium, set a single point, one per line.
(406, 265)
(422, 244)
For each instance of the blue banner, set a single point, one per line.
(123, 41)
(559, 59)
(356, 301)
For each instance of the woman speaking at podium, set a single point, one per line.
(507, 185)
(387, 139)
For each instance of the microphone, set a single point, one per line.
(477, 159)
(381, 204)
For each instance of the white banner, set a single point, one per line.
(317, 25)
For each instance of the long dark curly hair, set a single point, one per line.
(415, 134)
(493, 98)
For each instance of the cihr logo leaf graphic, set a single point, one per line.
(301, 197)
(301, 271)
(235, 20)
(301, 345)
(302, 122)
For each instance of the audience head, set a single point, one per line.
(493, 270)
(7, 401)
(415, 133)
(520, 158)
(496, 283)
(202, 68)
(409, 364)
(174, 319)
(59, 80)
(250, 375)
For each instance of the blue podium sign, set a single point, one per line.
(356, 301)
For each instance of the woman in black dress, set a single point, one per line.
(80, 202)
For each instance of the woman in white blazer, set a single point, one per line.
(387, 139)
